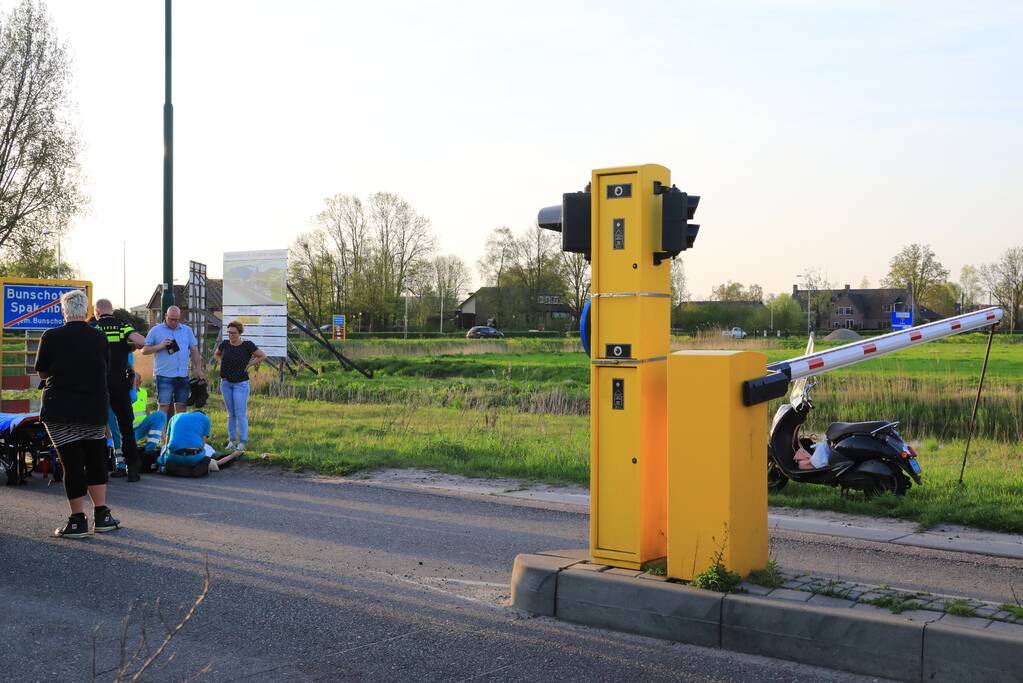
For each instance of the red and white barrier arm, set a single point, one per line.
(857, 352)
(775, 383)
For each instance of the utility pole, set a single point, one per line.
(441, 313)
(168, 168)
(406, 315)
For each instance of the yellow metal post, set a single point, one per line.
(717, 463)
(630, 310)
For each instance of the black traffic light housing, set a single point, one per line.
(572, 220)
(677, 209)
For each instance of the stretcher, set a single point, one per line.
(24, 446)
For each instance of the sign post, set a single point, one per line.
(30, 307)
(902, 320)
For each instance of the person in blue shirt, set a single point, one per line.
(188, 446)
(174, 345)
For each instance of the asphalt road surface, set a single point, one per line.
(321, 579)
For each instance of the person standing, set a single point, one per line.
(236, 357)
(122, 340)
(72, 361)
(174, 345)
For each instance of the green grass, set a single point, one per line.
(336, 438)
(989, 498)
(341, 439)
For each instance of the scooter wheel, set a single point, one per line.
(776, 479)
(895, 485)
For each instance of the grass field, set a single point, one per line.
(345, 438)
(518, 408)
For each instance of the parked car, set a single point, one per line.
(484, 332)
(735, 333)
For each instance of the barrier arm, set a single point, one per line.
(775, 383)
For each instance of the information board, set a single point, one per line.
(339, 327)
(255, 294)
(30, 304)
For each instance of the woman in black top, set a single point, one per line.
(73, 362)
(236, 357)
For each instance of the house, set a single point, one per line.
(863, 309)
(514, 308)
(214, 305)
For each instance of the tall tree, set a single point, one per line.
(917, 267)
(970, 285)
(818, 297)
(38, 145)
(536, 269)
(736, 291)
(575, 271)
(1004, 280)
(451, 280)
(679, 285)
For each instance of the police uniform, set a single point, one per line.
(119, 383)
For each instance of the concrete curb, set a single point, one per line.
(534, 582)
(839, 638)
(954, 653)
(649, 608)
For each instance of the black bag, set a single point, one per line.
(199, 469)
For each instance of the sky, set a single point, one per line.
(818, 134)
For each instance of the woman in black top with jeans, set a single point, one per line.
(236, 357)
(73, 362)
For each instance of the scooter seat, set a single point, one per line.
(840, 430)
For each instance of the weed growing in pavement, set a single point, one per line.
(1016, 610)
(768, 577)
(833, 589)
(657, 570)
(960, 608)
(896, 602)
(717, 577)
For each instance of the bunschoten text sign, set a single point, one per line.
(30, 304)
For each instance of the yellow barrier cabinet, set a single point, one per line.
(630, 222)
(630, 315)
(717, 463)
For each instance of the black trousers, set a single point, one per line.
(85, 465)
(120, 404)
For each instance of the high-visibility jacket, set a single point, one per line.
(139, 406)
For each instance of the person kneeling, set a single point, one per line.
(188, 452)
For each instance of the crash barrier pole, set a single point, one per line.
(717, 478)
(630, 221)
(976, 403)
(775, 383)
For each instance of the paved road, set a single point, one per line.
(318, 579)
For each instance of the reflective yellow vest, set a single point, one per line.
(139, 406)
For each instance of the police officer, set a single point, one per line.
(123, 340)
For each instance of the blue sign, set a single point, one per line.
(32, 306)
(902, 320)
(339, 321)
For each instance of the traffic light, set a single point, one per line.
(677, 209)
(572, 220)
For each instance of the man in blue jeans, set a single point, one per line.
(174, 345)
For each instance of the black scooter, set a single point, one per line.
(866, 456)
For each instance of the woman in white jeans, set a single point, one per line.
(236, 357)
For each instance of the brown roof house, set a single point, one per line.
(865, 309)
(214, 304)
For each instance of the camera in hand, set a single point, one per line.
(173, 346)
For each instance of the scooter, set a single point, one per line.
(865, 456)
